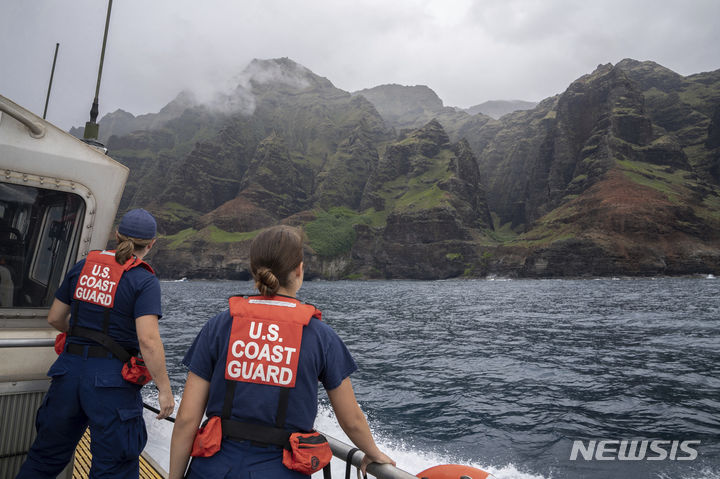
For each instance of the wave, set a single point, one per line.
(407, 457)
(181, 280)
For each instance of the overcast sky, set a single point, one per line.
(467, 51)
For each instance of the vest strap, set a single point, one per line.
(106, 320)
(229, 395)
(283, 402)
(74, 316)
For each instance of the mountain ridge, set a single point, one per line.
(618, 174)
(496, 109)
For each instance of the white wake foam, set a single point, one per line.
(406, 457)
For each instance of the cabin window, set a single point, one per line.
(39, 239)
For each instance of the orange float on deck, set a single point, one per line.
(453, 471)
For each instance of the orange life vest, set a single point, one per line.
(98, 280)
(265, 339)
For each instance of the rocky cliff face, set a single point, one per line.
(684, 110)
(616, 175)
(563, 146)
(429, 191)
(609, 191)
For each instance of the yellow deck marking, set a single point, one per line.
(83, 460)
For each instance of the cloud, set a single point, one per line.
(238, 95)
(468, 51)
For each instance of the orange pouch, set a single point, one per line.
(136, 372)
(60, 342)
(309, 452)
(208, 438)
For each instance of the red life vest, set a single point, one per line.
(100, 276)
(265, 339)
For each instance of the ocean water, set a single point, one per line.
(509, 376)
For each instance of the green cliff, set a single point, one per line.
(619, 174)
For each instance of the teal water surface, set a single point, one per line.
(508, 374)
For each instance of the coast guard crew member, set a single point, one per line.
(113, 298)
(254, 369)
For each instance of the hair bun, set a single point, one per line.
(266, 282)
(274, 254)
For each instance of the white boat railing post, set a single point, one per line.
(37, 129)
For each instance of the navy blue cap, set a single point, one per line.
(138, 223)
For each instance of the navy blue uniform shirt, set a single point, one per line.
(323, 357)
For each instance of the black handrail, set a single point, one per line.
(157, 411)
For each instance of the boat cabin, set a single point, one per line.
(58, 200)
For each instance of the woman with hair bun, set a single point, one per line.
(107, 309)
(254, 371)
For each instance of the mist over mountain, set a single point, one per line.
(617, 175)
(498, 108)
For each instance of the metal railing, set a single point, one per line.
(27, 343)
(381, 471)
(36, 127)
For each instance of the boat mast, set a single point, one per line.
(91, 127)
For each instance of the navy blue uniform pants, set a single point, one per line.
(88, 391)
(242, 460)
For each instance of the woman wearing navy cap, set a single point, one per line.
(255, 369)
(109, 306)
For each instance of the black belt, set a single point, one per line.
(256, 433)
(92, 351)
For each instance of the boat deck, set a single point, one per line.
(81, 470)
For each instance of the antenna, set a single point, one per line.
(91, 127)
(52, 74)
